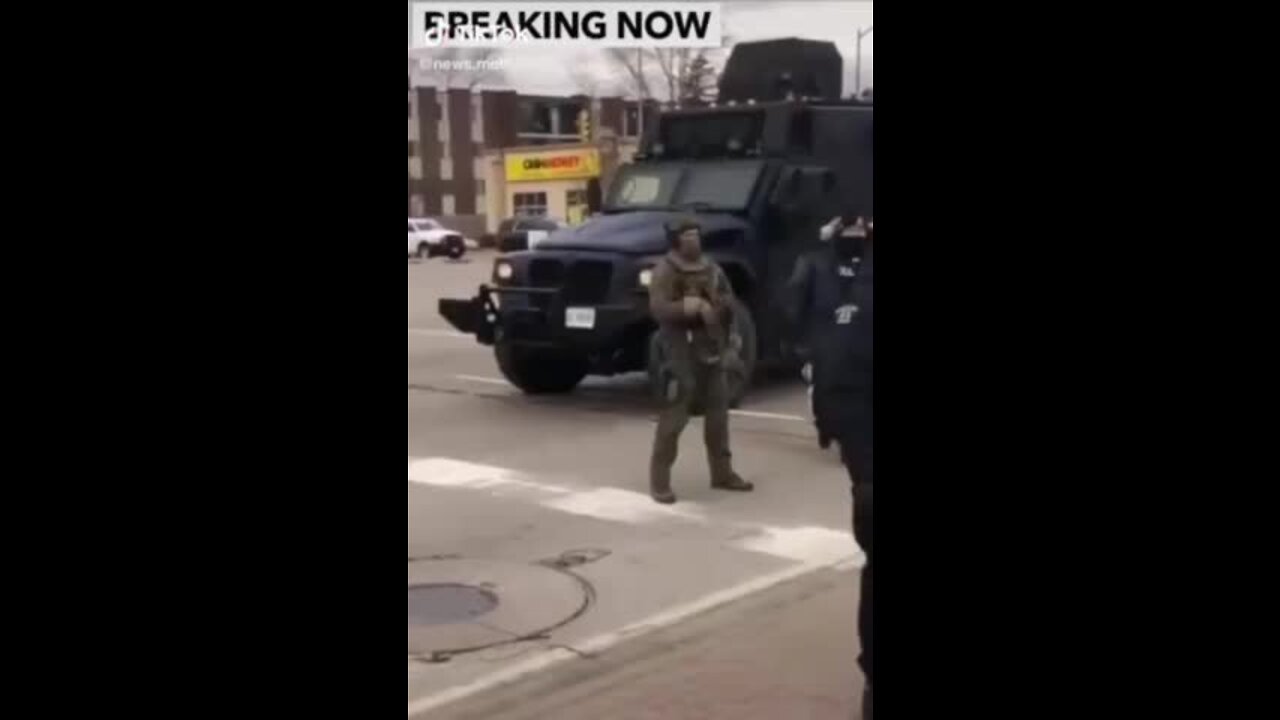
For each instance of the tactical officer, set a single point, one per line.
(831, 296)
(691, 299)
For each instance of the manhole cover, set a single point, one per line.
(447, 604)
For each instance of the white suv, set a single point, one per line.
(428, 238)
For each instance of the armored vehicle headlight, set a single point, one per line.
(646, 277)
(503, 271)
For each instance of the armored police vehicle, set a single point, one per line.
(762, 169)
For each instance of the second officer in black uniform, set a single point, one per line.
(831, 298)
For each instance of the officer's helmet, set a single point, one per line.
(679, 227)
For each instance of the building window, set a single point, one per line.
(547, 120)
(530, 204)
(575, 206)
(448, 204)
(413, 148)
(480, 187)
(446, 169)
(418, 208)
(631, 121)
(534, 117)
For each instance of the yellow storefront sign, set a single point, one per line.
(553, 165)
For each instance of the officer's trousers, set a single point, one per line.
(703, 391)
(856, 449)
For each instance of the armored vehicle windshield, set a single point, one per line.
(723, 185)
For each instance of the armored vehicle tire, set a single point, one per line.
(739, 380)
(540, 372)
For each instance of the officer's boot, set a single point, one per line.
(730, 480)
(664, 455)
(719, 456)
(723, 476)
(660, 486)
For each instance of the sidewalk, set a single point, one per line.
(788, 652)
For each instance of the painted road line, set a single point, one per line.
(609, 504)
(810, 544)
(624, 506)
(601, 643)
(440, 333)
(736, 413)
(808, 548)
(483, 380)
(768, 416)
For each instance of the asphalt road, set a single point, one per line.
(499, 483)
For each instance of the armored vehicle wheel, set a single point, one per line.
(540, 372)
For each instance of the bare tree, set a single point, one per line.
(668, 62)
(680, 70)
(686, 75)
(584, 76)
(630, 63)
(698, 82)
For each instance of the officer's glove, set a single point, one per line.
(831, 229)
(710, 318)
(693, 307)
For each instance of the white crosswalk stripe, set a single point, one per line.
(809, 545)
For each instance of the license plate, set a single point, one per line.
(580, 318)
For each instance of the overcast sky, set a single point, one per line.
(547, 71)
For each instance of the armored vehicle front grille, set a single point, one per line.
(546, 273)
(588, 282)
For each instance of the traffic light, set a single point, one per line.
(584, 126)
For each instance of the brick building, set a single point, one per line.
(455, 133)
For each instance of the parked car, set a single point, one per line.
(428, 239)
(524, 233)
